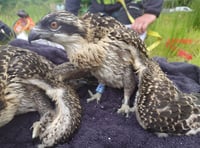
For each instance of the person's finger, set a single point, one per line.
(144, 27)
(139, 27)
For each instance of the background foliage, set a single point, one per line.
(171, 26)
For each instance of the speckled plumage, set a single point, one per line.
(110, 51)
(162, 108)
(27, 84)
(96, 43)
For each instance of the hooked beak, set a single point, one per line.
(36, 34)
(33, 35)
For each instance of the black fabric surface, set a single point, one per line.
(101, 126)
(54, 54)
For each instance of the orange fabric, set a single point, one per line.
(23, 24)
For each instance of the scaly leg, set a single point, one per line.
(68, 71)
(97, 96)
(125, 108)
(129, 87)
(44, 107)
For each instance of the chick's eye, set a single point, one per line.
(54, 25)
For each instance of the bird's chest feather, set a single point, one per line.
(111, 70)
(107, 62)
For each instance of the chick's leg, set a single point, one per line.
(44, 107)
(97, 96)
(68, 71)
(125, 108)
(129, 87)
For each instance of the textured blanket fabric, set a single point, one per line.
(101, 126)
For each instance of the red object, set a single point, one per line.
(171, 43)
(23, 24)
(184, 54)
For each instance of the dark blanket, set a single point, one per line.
(101, 126)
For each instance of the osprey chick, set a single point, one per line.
(162, 108)
(112, 53)
(96, 43)
(27, 84)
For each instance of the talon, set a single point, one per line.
(41, 146)
(36, 129)
(125, 109)
(96, 96)
(132, 109)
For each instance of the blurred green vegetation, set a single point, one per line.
(35, 8)
(179, 26)
(176, 25)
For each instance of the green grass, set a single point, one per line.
(35, 8)
(179, 25)
(176, 26)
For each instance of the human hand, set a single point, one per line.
(141, 23)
